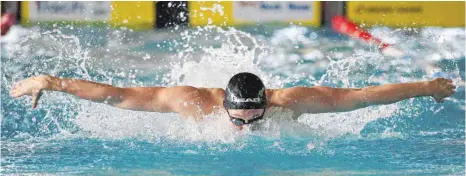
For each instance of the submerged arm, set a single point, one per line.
(326, 99)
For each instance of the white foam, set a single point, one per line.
(103, 121)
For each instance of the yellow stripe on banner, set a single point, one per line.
(408, 14)
(139, 15)
(315, 21)
(24, 12)
(225, 13)
(210, 13)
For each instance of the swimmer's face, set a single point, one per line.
(240, 117)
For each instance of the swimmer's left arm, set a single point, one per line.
(326, 99)
(439, 89)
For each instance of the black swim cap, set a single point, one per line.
(245, 91)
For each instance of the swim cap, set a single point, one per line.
(245, 91)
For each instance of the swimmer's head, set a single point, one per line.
(245, 91)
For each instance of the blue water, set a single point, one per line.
(68, 136)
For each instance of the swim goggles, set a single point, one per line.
(240, 122)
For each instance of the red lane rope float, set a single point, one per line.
(6, 22)
(342, 25)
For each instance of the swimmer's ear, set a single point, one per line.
(35, 98)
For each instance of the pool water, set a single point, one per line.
(69, 136)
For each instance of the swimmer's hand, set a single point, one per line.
(31, 86)
(441, 88)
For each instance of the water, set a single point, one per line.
(69, 136)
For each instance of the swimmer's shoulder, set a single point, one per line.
(213, 95)
(200, 91)
(217, 94)
(275, 97)
(216, 91)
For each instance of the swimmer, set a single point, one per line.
(245, 98)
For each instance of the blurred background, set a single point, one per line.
(150, 15)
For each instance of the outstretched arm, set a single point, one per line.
(159, 99)
(325, 99)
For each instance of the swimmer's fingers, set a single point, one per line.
(451, 86)
(35, 98)
(452, 92)
(439, 100)
(27, 86)
(451, 89)
(18, 90)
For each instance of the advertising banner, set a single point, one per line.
(252, 12)
(117, 13)
(408, 14)
(69, 10)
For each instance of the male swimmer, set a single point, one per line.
(245, 98)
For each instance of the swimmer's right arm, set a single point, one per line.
(156, 99)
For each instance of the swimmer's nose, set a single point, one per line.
(249, 114)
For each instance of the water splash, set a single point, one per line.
(202, 57)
